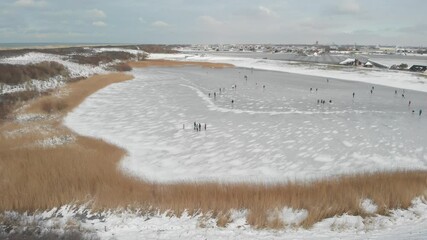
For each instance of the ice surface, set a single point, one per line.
(397, 79)
(272, 134)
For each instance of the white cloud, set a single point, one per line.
(30, 3)
(266, 11)
(96, 13)
(99, 24)
(160, 24)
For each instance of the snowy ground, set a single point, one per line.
(125, 225)
(272, 134)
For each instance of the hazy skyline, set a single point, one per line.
(387, 22)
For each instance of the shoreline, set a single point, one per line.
(171, 63)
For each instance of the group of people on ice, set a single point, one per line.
(322, 101)
(198, 126)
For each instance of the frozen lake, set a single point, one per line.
(270, 134)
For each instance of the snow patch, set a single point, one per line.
(32, 117)
(56, 141)
(368, 206)
(131, 51)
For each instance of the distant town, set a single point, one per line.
(352, 55)
(313, 49)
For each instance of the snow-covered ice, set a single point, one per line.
(397, 79)
(272, 134)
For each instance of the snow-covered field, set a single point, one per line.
(270, 134)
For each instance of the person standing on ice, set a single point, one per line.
(353, 94)
(209, 95)
(421, 112)
(214, 95)
(232, 103)
(195, 126)
(200, 127)
(205, 126)
(409, 103)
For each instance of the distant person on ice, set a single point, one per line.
(353, 94)
(205, 126)
(200, 127)
(421, 112)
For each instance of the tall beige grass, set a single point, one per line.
(34, 178)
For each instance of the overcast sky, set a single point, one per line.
(392, 22)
